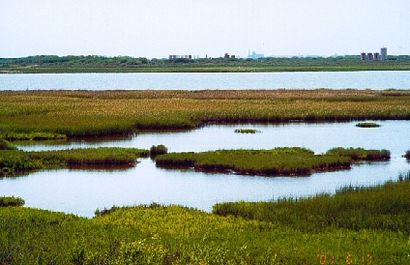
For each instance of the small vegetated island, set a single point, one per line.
(15, 162)
(247, 131)
(367, 125)
(278, 161)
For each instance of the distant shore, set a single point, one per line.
(123, 64)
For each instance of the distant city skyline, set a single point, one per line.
(159, 28)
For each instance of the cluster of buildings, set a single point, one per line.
(382, 56)
(174, 57)
(251, 55)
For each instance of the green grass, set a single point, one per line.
(278, 161)
(384, 207)
(11, 201)
(367, 125)
(6, 145)
(360, 154)
(33, 136)
(18, 162)
(109, 113)
(298, 232)
(246, 131)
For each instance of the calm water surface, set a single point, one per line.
(82, 192)
(198, 81)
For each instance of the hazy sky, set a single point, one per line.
(156, 28)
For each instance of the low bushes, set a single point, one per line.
(158, 150)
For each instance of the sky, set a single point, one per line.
(157, 28)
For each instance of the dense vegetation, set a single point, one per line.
(385, 207)
(364, 225)
(156, 150)
(70, 64)
(14, 162)
(89, 113)
(367, 125)
(278, 161)
(6, 145)
(407, 155)
(11, 201)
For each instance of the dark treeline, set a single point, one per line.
(95, 63)
(133, 61)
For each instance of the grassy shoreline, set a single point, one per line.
(15, 162)
(369, 224)
(80, 114)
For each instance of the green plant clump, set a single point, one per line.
(156, 150)
(278, 161)
(360, 154)
(11, 201)
(16, 162)
(367, 125)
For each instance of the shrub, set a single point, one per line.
(158, 150)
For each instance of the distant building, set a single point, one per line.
(174, 57)
(227, 56)
(374, 56)
(383, 54)
(255, 55)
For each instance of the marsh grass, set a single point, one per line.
(107, 113)
(274, 162)
(367, 125)
(366, 222)
(361, 154)
(6, 145)
(383, 207)
(11, 201)
(32, 136)
(18, 162)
